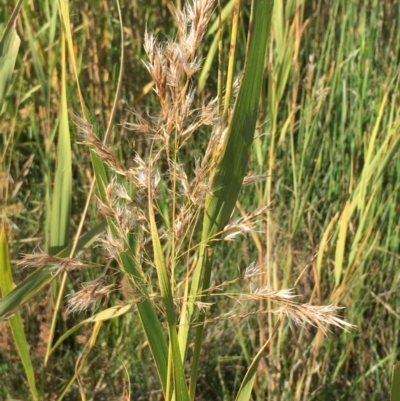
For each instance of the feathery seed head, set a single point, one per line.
(317, 316)
(54, 264)
(252, 270)
(89, 296)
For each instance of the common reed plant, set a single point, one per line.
(171, 212)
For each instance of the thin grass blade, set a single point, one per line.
(244, 393)
(61, 203)
(340, 247)
(37, 62)
(232, 165)
(9, 45)
(106, 314)
(65, 17)
(181, 390)
(24, 292)
(16, 324)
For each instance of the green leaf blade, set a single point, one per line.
(16, 324)
(232, 167)
(9, 46)
(61, 207)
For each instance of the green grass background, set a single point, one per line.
(328, 140)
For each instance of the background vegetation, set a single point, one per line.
(327, 141)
